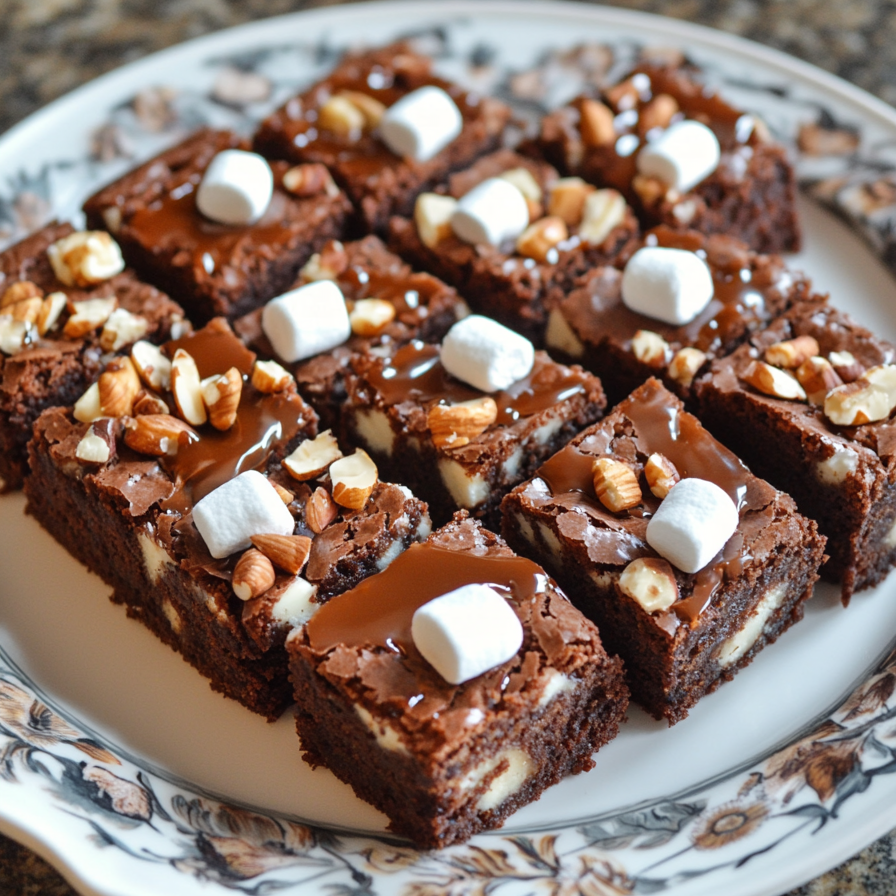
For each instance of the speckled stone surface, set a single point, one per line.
(48, 47)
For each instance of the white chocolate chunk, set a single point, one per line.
(294, 605)
(248, 505)
(421, 123)
(492, 212)
(692, 524)
(236, 188)
(306, 321)
(486, 354)
(681, 156)
(466, 632)
(671, 285)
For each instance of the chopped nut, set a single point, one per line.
(286, 496)
(152, 366)
(538, 239)
(121, 329)
(14, 334)
(157, 434)
(658, 113)
(855, 403)
(847, 366)
(327, 264)
(27, 309)
(561, 336)
(87, 408)
(320, 510)
(792, 352)
(53, 305)
(221, 395)
(883, 377)
(341, 116)
(270, 377)
(186, 387)
(353, 478)
(252, 575)
(19, 291)
(684, 365)
(369, 317)
(369, 106)
(313, 456)
(97, 445)
(603, 212)
(817, 376)
(88, 315)
(452, 426)
(567, 199)
(651, 582)
(432, 216)
(524, 181)
(815, 140)
(146, 403)
(650, 348)
(118, 387)
(286, 552)
(650, 190)
(624, 95)
(85, 258)
(660, 474)
(616, 484)
(596, 123)
(773, 381)
(310, 179)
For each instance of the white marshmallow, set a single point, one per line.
(683, 155)
(486, 354)
(306, 321)
(236, 188)
(421, 123)
(671, 285)
(692, 524)
(466, 632)
(492, 212)
(245, 506)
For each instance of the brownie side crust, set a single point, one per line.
(751, 592)
(446, 761)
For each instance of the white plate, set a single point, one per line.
(118, 763)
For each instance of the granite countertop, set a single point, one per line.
(49, 47)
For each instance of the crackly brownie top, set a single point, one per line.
(748, 289)
(834, 331)
(361, 641)
(650, 421)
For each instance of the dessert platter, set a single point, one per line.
(476, 226)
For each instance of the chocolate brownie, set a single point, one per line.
(127, 513)
(50, 353)
(751, 195)
(516, 282)
(444, 761)
(433, 432)
(421, 307)
(593, 326)
(379, 182)
(213, 268)
(679, 634)
(840, 473)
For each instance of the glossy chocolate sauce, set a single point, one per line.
(409, 293)
(415, 373)
(378, 611)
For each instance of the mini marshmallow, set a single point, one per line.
(466, 632)
(421, 123)
(671, 285)
(306, 321)
(236, 188)
(248, 505)
(692, 524)
(486, 354)
(492, 212)
(683, 155)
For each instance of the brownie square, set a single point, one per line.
(593, 326)
(515, 287)
(55, 366)
(213, 269)
(752, 193)
(379, 182)
(424, 308)
(722, 615)
(130, 520)
(445, 761)
(394, 409)
(841, 476)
